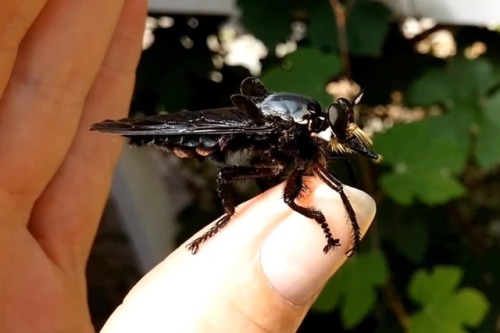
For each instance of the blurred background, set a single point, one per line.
(430, 71)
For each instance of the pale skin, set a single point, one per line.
(63, 66)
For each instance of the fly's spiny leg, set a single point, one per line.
(225, 176)
(218, 225)
(348, 167)
(293, 188)
(338, 187)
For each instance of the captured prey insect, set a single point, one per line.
(286, 135)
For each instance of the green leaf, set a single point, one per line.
(434, 287)
(399, 187)
(307, 72)
(461, 87)
(323, 29)
(367, 26)
(470, 78)
(443, 308)
(353, 288)
(433, 87)
(358, 304)
(470, 305)
(487, 150)
(439, 188)
(425, 158)
(329, 297)
(461, 80)
(268, 21)
(424, 322)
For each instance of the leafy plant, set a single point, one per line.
(354, 288)
(437, 161)
(444, 309)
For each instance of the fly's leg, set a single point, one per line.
(348, 168)
(224, 177)
(338, 187)
(218, 225)
(293, 189)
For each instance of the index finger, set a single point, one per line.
(261, 274)
(15, 19)
(41, 107)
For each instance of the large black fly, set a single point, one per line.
(285, 135)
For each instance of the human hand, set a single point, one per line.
(261, 273)
(63, 66)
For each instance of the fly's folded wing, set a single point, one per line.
(253, 88)
(229, 120)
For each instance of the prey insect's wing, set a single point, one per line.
(231, 120)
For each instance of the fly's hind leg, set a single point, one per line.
(225, 176)
(293, 189)
(221, 222)
(338, 187)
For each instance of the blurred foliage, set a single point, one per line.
(429, 262)
(443, 308)
(366, 28)
(354, 288)
(305, 73)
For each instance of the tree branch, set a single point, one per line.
(341, 19)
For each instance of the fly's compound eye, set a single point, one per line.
(347, 106)
(338, 116)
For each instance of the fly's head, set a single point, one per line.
(343, 134)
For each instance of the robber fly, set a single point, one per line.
(285, 135)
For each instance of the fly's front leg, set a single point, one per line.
(225, 176)
(293, 189)
(348, 168)
(338, 187)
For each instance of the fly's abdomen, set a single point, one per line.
(182, 145)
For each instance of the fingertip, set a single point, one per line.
(292, 256)
(363, 204)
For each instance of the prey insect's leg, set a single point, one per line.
(293, 188)
(338, 187)
(225, 176)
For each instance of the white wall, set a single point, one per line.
(477, 12)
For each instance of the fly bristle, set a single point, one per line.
(360, 134)
(340, 148)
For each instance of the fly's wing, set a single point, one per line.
(230, 120)
(253, 88)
